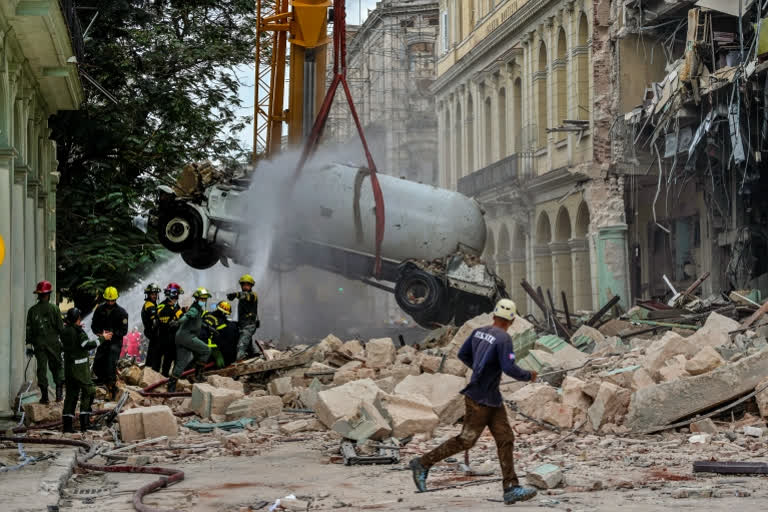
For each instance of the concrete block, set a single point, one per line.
(147, 422)
(706, 426)
(700, 439)
(201, 399)
(344, 401)
(546, 476)
(407, 414)
(752, 431)
(325, 347)
(589, 332)
(295, 427)
(670, 345)
(368, 423)
(256, 407)
(641, 379)
(218, 381)
(454, 367)
(365, 373)
(532, 398)
(430, 364)
(558, 414)
(441, 390)
(665, 403)
(610, 404)
(706, 360)
(379, 353)
(714, 332)
(762, 398)
(573, 394)
(308, 397)
(352, 348)
(41, 413)
(150, 377)
(280, 386)
(222, 398)
(400, 371)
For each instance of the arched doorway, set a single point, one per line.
(561, 258)
(582, 269)
(542, 254)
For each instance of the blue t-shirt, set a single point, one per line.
(488, 351)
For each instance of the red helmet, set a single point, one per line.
(44, 287)
(173, 290)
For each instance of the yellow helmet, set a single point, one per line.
(110, 293)
(505, 309)
(201, 293)
(247, 278)
(224, 307)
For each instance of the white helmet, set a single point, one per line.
(505, 309)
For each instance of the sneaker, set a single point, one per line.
(419, 474)
(517, 493)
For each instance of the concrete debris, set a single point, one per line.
(609, 406)
(407, 414)
(280, 386)
(379, 353)
(752, 431)
(218, 381)
(706, 360)
(147, 422)
(441, 390)
(546, 476)
(150, 377)
(208, 400)
(41, 413)
(762, 397)
(706, 426)
(700, 439)
(256, 407)
(342, 402)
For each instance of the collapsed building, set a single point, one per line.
(691, 147)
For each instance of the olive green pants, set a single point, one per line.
(48, 355)
(78, 385)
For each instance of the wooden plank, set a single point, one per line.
(755, 316)
(608, 305)
(249, 368)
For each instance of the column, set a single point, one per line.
(6, 293)
(504, 268)
(22, 268)
(582, 280)
(562, 279)
(612, 264)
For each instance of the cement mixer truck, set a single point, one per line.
(326, 219)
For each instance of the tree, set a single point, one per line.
(169, 64)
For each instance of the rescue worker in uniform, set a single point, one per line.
(110, 318)
(168, 313)
(247, 314)
(150, 322)
(220, 334)
(44, 325)
(77, 371)
(189, 346)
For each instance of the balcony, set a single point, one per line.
(69, 10)
(499, 173)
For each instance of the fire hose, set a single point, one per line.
(170, 476)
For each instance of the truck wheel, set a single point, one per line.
(179, 230)
(201, 258)
(419, 294)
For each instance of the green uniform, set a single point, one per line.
(217, 332)
(44, 325)
(189, 346)
(78, 373)
(247, 319)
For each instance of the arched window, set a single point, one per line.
(582, 73)
(517, 107)
(488, 131)
(562, 81)
(543, 99)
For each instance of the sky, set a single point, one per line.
(357, 11)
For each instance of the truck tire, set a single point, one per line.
(179, 229)
(201, 257)
(419, 294)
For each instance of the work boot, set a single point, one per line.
(44, 396)
(59, 392)
(85, 422)
(199, 367)
(516, 494)
(419, 474)
(171, 387)
(66, 424)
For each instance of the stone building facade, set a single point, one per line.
(391, 67)
(38, 77)
(524, 126)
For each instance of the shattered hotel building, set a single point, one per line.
(610, 143)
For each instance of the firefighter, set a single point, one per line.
(151, 324)
(78, 373)
(189, 346)
(247, 314)
(220, 334)
(168, 314)
(44, 325)
(111, 318)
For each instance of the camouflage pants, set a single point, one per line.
(48, 355)
(476, 418)
(244, 342)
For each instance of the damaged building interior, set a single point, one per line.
(691, 148)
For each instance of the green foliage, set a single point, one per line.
(170, 64)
